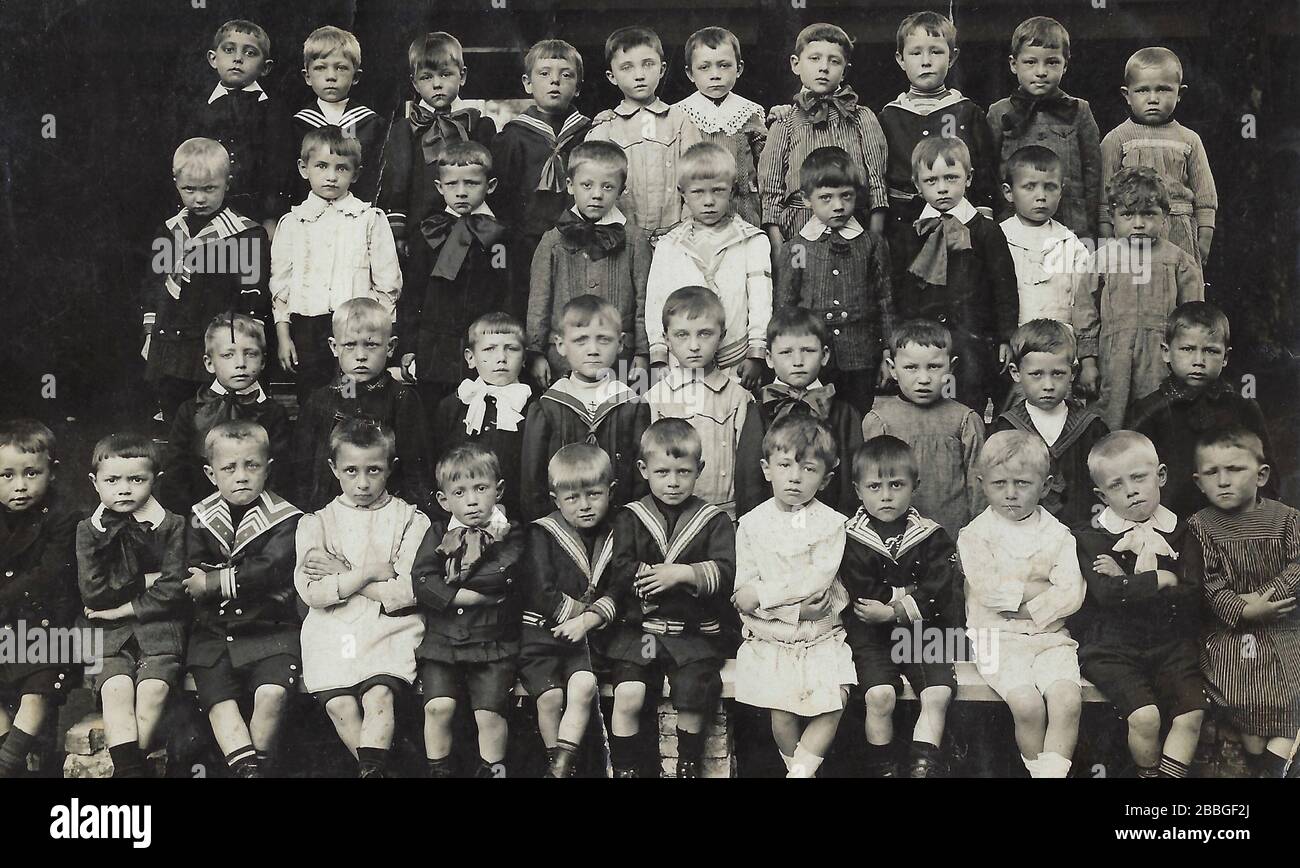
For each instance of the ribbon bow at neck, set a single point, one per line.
(818, 108)
(450, 236)
(464, 546)
(1024, 107)
(1147, 543)
(124, 540)
(436, 127)
(510, 401)
(212, 407)
(786, 398)
(942, 234)
(597, 239)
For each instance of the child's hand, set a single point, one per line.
(1088, 377)
(1261, 607)
(117, 613)
(287, 353)
(779, 113)
(1204, 238)
(403, 249)
(884, 375)
(877, 222)
(466, 597)
(603, 117)
(407, 360)
(576, 629)
(1004, 356)
(197, 584)
(775, 239)
(751, 374)
(746, 600)
(873, 611)
(1105, 565)
(1034, 587)
(380, 571)
(269, 226)
(370, 592)
(662, 577)
(320, 564)
(1166, 579)
(816, 608)
(541, 371)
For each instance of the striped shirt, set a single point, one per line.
(1176, 153)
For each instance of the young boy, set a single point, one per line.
(207, 259)
(244, 640)
(38, 557)
(671, 577)
(355, 573)
(1246, 547)
(825, 112)
(464, 578)
(714, 248)
(565, 592)
(719, 409)
(1044, 356)
(462, 268)
(713, 63)
(1022, 582)
(590, 405)
(1139, 645)
(944, 435)
(130, 564)
(961, 273)
(840, 272)
(234, 355)
(797, 352)
(361, 343)
(1153, 85)
(1038, 111)
(593, 249)
(1193, 400)
(901, 571)
(331, 248)
(489, 409)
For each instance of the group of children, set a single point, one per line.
(671, 448)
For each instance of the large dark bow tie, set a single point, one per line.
(818, 107)
(1024, 107)
(119, 550)
(599, 240)
(212, 407)
(463, 547)
(942, 234)
(781, 399)
(435, 127)
(450, 237)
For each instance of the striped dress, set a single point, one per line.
(1252, 669)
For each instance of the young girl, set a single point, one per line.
(794, 659)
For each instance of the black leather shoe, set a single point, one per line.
(688, 768)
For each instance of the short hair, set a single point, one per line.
(823, 32)
(705, 160)
(331, 138)
(29, 436)
(493, 323)
(200, 155)
(627, 38)
(1005, 447)
(582, 311)
(360, 313)
(694, 302)
(675, 438)
(829, 166)
(248, 28)
(238, 323)
(326, 40)
(712, 37)
(933, 23)
(1198, 314)
(551, 49)
(923, 333)
(435, 51)
(795, 322)
(1040, 32)
(362, 432)
(600, 153)
(1237, 436)
(235, 430)
(1145, 58)
(1030, 157)
(126, 445)
(1044, 336)
(465, 154)
(1118, 443)
(578, 465)
(466, 461)
(888, 455)
(931, 149)
(805, 436)
(1136, 187)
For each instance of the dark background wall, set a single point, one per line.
(76, 210)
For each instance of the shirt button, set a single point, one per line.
(836, 332)
(230, 638)
(9, 574)
(460, 611)
(942, 318)
(835, 271)
(830, 316)
(45, 622)
(239, 611)
(835, 301)
(925, 132)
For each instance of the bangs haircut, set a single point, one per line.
(1041, 32)
(465, 154)
(694, 302)
(553, 49)
(326, 40)
(805, 437)
(823, 32)
(240, 324)
(331, 138)
(206, 158)
(1044, 336)
(363, 432)
(466, 461)
(1137, 187)
(248, 28)
(599, 153)
(1155, 56)
(494, 323)
(1198, 314)
(236, 431)
(1014, 447)
(830, 166)
(932, 24)
(125, 445)
(888, 456)
(361, 314)
(705, 161)
(675, 438)
(1030, 157)
(923, 333)
(585, 309)
(1119, 444)
(28, 436)
(627, 38)
(1235, 436)
(712, 37)
(795, 322)
(435, 51)
(952, 151)
(578, 466)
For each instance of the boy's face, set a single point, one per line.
(237, 363)
(362, 471)
(329, 175)
(1196, 356)
(331, 77)
(238, 60)
(362, 351)
(636, 72)
(238, 469)
(1013, 488)
(1139, 221)
(795, 481)
(714, 71)
(471, 499)
(886, 495)
(202, 193)
(694, 342)
(833, 205)
(583, 507)
(797, 359)
(123, 484)
(552, 83)
(1034, 194)
(925, 59)
(24, 478)
(1229, 476)
(920, 372)
(1038, 69)
(942, 185)
(497, 358)
(464, 187)
(820, 67)
(671, 480)
(1045, 377)
(1153, 93)
(1130, 484)
(591, 350)
(595, 189)
(439, 87)
(708, 199)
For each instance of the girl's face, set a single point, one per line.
(439, 87)
(714, 71)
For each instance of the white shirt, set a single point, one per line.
(1048, 423)
(1053, 269)
(333, 111)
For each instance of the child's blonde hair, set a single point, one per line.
(248, 28)
(1136, 187)
(235, 431)
(331, 138)
(1236, 436)
(206, 158)
(581, 311)
(1155, 56)
(1116, 444)
(326, 40)
(706, 161)
(1044, 336)
(494, 323)
(952, 150)
(237, 323)
(465, 461)
(804, 436)
(1007, 447)
(932, 23)
(577, 466)
(435, 51)
(694, 302)
(361, 314)
(600, 153)
(675, 438)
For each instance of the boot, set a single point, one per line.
(564, 763)
(688, 768)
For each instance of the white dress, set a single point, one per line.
(791, 557)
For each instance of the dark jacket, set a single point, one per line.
(38, 570)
